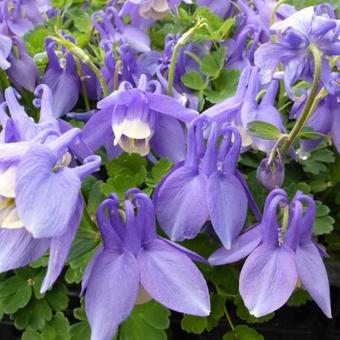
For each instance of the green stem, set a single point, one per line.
(83, 86)
(84, 58)
(311, 104)
(230, 322)
(193, 56)
(276, 7)
(182, 41)
(116, 75)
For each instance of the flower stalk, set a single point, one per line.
(84, 58)
(182, 41)
(311, 104)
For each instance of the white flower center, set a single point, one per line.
(133, 136)
(154, 9)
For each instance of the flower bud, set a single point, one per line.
(270, 175)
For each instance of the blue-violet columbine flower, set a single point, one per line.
(280, 256)
(139, 118)
(295, 35)
(40, 200)
(135, 262)
(205, 186)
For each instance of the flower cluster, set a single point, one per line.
(230, 93)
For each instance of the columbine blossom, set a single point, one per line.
(243, 108)
(62, 79)
(5, 50)
(295, 35)
(157, 64)
(325, 120)
(279, 257)
(19, 16)
(205, 186)
(23, 71)
(112, 29)
(271, 174)
(222, 8)
(139, 118)
(40, 201)
(135, 260)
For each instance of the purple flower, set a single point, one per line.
(139, 118)
(271, 175)
(144, 12)
(19, 16)
(325, 120)
(279, 256)
(40, 201)
(112, 29)
(205, 186)
(222, 8)
(5, 50)
(243, 109)
(63, 80)
(157, 64)
(134, 261)
(23, 71)
(295, 35)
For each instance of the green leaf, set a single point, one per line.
(263, 130)
(35, 40)
(224, 86)
(323, 222)
(298, 298)
(316, 162)
(225, 278)
(243, 332)
(57, 329)
(34, 315)
(193, 80)
(212, 64)
(31, 335)
(158, 171)
(147, 321)
(57, 297)
(126, 171)
(15, 293)
(80, 331)
(194, 324)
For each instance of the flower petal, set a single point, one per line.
(267, 279)
(60, 247)
(111, 292)
(168, 140)
(172, 279)
(45, 199)
(313, 275)
(181, 203)
(227, 204)
(170, 107)
(241, 247)
(18, 248)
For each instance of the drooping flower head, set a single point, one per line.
(244, 108)
(280, 255)
(17, 17)
(62, 78)
(139, 118)
(295, 36)
(40, 201)
(135, 260)
(112, 28)
(205, 186)
(271, 173)
(23, 71)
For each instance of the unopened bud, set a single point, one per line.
(271, 175)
